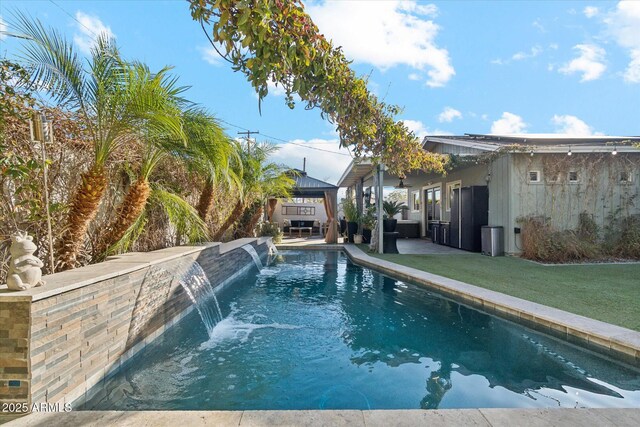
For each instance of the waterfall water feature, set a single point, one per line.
(256, 258)
(273, 250)
(201, 292)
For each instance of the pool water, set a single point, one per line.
(314, 331)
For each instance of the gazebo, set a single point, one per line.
(308, 187)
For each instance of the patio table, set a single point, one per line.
(300, 230)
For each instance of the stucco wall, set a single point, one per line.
(61, 339)
(320, 215)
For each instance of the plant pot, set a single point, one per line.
(357, 239)
(352, 228)
(389, 225)
(366, 235)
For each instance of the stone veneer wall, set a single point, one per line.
(58, 341)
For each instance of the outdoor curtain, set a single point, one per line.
(271, 208)
(330, 206)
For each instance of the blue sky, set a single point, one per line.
(455, 67)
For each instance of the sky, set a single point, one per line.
(455, 67)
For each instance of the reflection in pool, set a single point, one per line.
(314, 331)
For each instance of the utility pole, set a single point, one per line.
(248, 138)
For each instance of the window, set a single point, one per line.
(573, 176)
(298, 210)
(450, 187)
(624, 177)
(415, 201)
(534, 176)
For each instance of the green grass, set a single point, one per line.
(610, 293)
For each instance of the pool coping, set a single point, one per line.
(619, 343)
(537, 417)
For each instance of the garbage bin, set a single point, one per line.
(492, 240)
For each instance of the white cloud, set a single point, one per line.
(571, 125)
(417, 127)
(590, 62)
(90, 27)
(519, 56)
(3, 28)
(632, 73)
(533, 52)
(414, 76)
(509, 123)
(554, 46)
(386, 34)
(209, 54)
(448, 114)
(590, 11)
(624, 25)
(275, 90)
(536, 24)
(323, 165)
(420, 130)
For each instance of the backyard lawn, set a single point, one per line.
(610, 293)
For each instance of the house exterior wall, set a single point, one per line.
(499, 173)
(597, 192)
(512, 196)
(320, 215)
(475, 175)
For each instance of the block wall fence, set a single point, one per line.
(59, 340)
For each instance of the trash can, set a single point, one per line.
(492, 240)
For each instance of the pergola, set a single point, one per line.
(307, 186)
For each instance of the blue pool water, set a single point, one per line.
(314, 331)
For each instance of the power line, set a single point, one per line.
(72, 17)
(283, 140)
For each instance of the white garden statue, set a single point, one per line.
(24, 268)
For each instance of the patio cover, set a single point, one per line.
(307, 186)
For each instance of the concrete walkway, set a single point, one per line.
(450, 417)
(425, 247)
(405, 246)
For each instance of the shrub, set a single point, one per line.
(542, 243)
(271, 229)
(622, 237)
(587, 228)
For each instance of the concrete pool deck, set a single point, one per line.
(377, 418)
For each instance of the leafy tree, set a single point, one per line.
(276, 41)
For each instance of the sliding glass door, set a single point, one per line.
(432, 211)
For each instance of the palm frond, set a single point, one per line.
(181, 214)
(53, 63)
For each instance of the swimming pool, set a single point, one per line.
(314, 331)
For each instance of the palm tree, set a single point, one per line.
(263, 180)
(113, 99)
(181, 215)
(157, 143)
(212, 155)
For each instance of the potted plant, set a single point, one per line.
(368, 223)
(357, 238)
(351, 215)
(391, 209)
